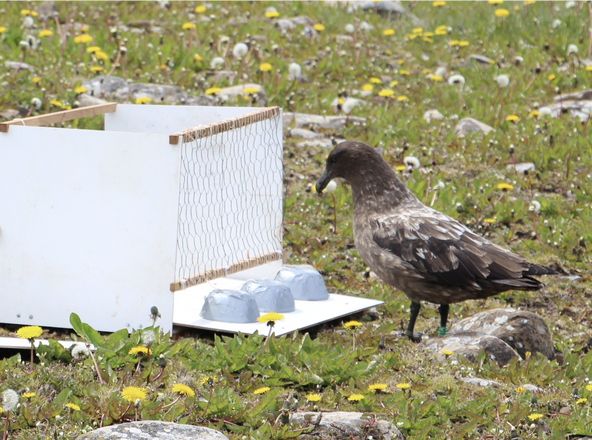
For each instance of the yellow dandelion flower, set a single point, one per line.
(463, 43)
(367, 87)
(534, 417)
(131, 394)
(72, 406)
(551, 77)
(438, 4)
(402, 98)
(101, 55)
(251, 90)
(56, 104)
(207, 380)
(200, 9)
(588, 68)
(527, 354)
(28, 395)
(143, 100)
(400, 62)
(36, 79)
(516, 8)
(352, 325)
(213, 90)
(375, 80)
(404, 72)
(589, 387)
(377, 387)
(183, 389)
(270, 317)
(440, 32)
(386, 93)
(403, 386)
(411, 36)
(188, 25)
(96, 69)
(261, 390)
(355, 397)
(394, 83)
(505, 186)
(272, 14)
(84, 29)
(436, 78)
(529, 2)
(313, 397)
(447, 352)
(265, 67)
(318, 27)
(428, 34)
(417, 30)
(92, 49)
(581, 401)
(139, 350)
(25, 12)
(454, 42)
(534, 114)
(401, 168)
(489, 220)
(495, 2)
(512, 118)
(31, 331)
(501, 12)
(388, 32)
(520, 390)
(197, 57)
(341, 101)
(80, 89)
(427, 40)
(2, 29)
(45, 33)
(83, 39)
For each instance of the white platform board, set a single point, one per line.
(23, 344)
(189, 302)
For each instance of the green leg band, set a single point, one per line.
(442, 331)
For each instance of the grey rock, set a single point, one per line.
(468, 125)
(302, 20)
(469, 344)
(47, 10)
(532, 388)
(153, 430)
(390, 9)
(482, 59)
(223, 74)
(314, 122)
(577, 108)
(481, 382)
(303, 133)
(345, 425)
(84, 100)
(324, 142)
(523, 331)
(584, 95)
(432, 114)
(523, 167)
(284, 24)
(13, 65)
(342, 38)
(233, 92)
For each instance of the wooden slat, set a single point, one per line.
(57, 117)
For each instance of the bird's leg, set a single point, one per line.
(415, 306)
(443, 309)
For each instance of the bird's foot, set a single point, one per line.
(414, 337)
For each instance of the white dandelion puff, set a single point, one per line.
(79, 351)
(456, 79)
(349, 28)
(412, 161)
(216, 62)
(572, 49)
(502, 80)
(240, 50)
(535, 206)
(10, 400)
(294, 69)
(349, 105)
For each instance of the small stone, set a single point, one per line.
(303, 133)
(345, 425)
(481, 382)
(314, 122)
(468, 125)
(154, 430)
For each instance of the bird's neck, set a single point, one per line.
(379, 190)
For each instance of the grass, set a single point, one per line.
(225, 372)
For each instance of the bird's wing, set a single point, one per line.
(444, 252)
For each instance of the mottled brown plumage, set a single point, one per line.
(420, 251)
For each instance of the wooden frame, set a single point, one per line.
(57, 117)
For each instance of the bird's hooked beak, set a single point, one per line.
(323, 181)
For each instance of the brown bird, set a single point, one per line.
(416, 249)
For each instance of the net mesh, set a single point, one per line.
(230, 199)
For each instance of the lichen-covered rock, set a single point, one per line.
(469, 344)
(468, 125)
(153, 430)
(521, 330)
(345, 425)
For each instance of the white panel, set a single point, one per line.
(168, 119)
(88, 225)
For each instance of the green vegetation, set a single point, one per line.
(479, 187)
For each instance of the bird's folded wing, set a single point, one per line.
(442, 251)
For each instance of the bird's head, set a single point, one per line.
(351, 159)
